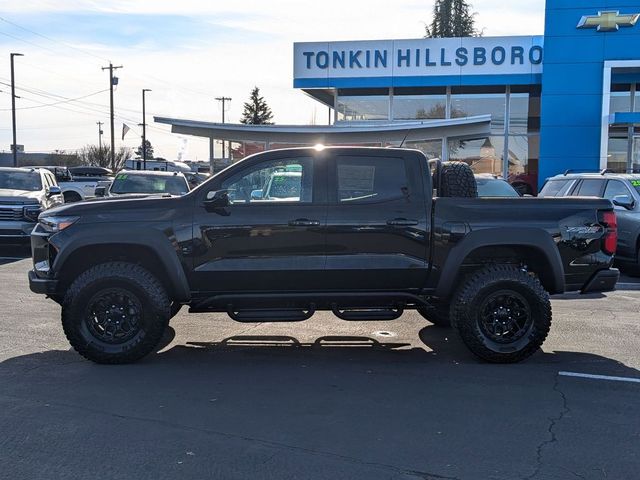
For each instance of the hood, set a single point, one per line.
(111, 205)
(21, 197)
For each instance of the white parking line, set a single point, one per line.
(12, 258)
(600, 377)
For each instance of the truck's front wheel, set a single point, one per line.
(115, 313)
(502, 313)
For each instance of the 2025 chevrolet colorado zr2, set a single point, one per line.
(359, 233)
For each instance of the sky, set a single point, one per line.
(187, 52)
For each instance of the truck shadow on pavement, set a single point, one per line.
(257, 406)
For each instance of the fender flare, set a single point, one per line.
(154, 240)
(535, 238)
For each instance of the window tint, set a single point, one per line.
(365, 179)
(287, 180)
(494, 187)
(556, 188)
(589, 188)
(615, 187)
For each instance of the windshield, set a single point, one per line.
(29, 181)
(493, 187)
(125, 183)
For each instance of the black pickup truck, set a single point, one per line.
(364, 232)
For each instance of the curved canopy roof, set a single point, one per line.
(341, 133)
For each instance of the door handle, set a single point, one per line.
(402, 222)
(303, 222)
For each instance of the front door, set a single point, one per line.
(271, 237)
(377, 223)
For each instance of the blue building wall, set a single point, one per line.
(572, 81)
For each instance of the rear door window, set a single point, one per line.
(557, 188)
(370, 179)
(589, 187)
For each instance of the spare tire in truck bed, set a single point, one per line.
(457, 180)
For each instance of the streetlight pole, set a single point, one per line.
(144, 130)
(14, 146)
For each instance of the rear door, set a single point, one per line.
(377, 222)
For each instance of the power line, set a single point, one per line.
(52, 39)
(55, 103)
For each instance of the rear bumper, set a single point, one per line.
(44, 286)
(602, 281)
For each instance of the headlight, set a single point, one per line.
(56, 224)
(31, 212)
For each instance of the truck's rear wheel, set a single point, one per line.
(502, 313)
(115, 313)
(457, 180)
(437, 314)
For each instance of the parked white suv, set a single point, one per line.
(24, 193)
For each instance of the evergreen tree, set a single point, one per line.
(452, 18)
(149, 149)
(256, 111)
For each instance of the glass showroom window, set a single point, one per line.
(617, 154)
(484, 155)
(464, 103)
(636, 107)
(431, 148)
(524, 111)
(620, 100)
(419, 103)
(362, 108)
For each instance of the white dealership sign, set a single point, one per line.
(405, 58)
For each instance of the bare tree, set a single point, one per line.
(95, 156)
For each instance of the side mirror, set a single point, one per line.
(54, 190)
(624, 201)
(256, 195)
(217, 199)
(101, 192)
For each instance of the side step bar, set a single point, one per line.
(271, 315)
(360, 314)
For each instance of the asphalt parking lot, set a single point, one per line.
(320, 399)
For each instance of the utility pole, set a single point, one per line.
(144, 131)
(223, 100)
(112, 81)
(100, 132)
(14, 146)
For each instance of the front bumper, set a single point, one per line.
(16, 230)
(44, 286)
(602, 281)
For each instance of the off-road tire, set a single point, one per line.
(457, 180)
(135, 281)
(468, 304)
(438, 314)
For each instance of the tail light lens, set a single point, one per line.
(610, 240)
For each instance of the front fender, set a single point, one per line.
(155, 240)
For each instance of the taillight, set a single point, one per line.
(610, 240)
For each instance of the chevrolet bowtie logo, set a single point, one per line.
(608, 21)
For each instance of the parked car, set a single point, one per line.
(145, 182)
(24, 194)
(362, 237)
(494, 186)
(282, 185)
(74, 189)
(624, 192)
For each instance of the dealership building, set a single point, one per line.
(526, 107)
